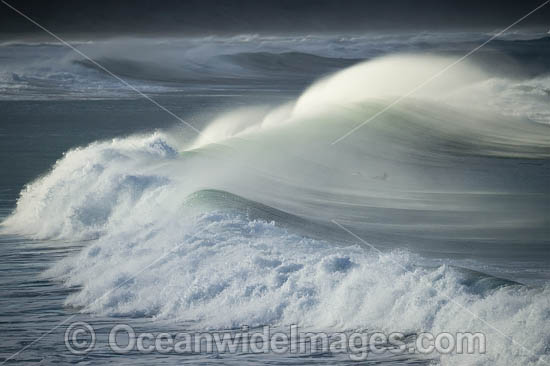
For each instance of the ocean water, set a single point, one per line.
(431, 217)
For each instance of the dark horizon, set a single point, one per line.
(209, 17)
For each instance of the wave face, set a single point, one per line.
(240, 218)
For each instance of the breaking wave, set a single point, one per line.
(240, 218)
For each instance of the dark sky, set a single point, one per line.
(149, 17)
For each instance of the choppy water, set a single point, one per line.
(128, 217)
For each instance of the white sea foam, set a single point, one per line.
(89, 187)
(221, 270)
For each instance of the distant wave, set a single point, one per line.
(167, 66)
(532, 54)
(248, 66)
(502, 56)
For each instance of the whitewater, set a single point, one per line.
(448, 191)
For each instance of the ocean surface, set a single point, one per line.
(287, 208)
